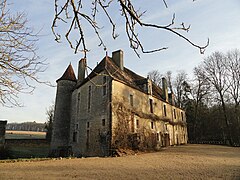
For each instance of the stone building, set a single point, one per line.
(113, 107)
(2, 133)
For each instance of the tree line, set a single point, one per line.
(211, 98)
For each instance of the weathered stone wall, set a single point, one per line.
(155, 125)
(2, 133)
(89, 134)
(61, 123)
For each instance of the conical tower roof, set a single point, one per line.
(68, 74)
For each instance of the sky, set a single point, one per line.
(217, 20)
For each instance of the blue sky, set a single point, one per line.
(218, 20)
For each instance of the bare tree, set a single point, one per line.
(79, 15)
(215, 71)
(200, 89)
(233, 77)
(19, 63)
(181, 87)
(156, 77)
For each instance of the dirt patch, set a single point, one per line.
(180, 162)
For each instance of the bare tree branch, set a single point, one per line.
(76, 13)
(19, 63)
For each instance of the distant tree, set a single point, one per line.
(181, 88)
(49, 124)
(79, 15)
(19, 62)
(156, 77)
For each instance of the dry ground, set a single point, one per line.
(181, 162)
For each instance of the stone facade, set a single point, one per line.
(112, 108)
(2, 133)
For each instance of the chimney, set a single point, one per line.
(81, 69)
(165, 89)
(117, 57)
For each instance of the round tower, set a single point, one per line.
(62, 114)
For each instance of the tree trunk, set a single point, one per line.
(229, 133)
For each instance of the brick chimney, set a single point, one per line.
(165, 89)
(117, 57)
(81, 69)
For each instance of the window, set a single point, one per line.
(88, 125)
(182, 115)
(174, 113)
(137, 123)
(89, 97)
(76, 126)
(164, 110)
(87, 140)
(151, 105)
(74, 136)
(78, 103)
(103, 122)
(158, 139)
(104, 85)
(131, 99)
(152, 125)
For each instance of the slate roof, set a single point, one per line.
(68, 74)
(125, 76)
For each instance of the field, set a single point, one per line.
(25, 135)
(180, 162)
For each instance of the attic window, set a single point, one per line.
(151, 105)
(164, 110)
(174, 113)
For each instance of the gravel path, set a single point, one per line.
(180, 162)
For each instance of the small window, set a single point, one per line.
(182, 115)
(76, 126)
(89, 97)
(104, 85)
(88, 124)
(164, 110)
(152, 125)
(151, 105)
(131, 99)
(74, 136)
(103, 122)
(137, 123)
(158, 139)
(174, 113)
(79, 102)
